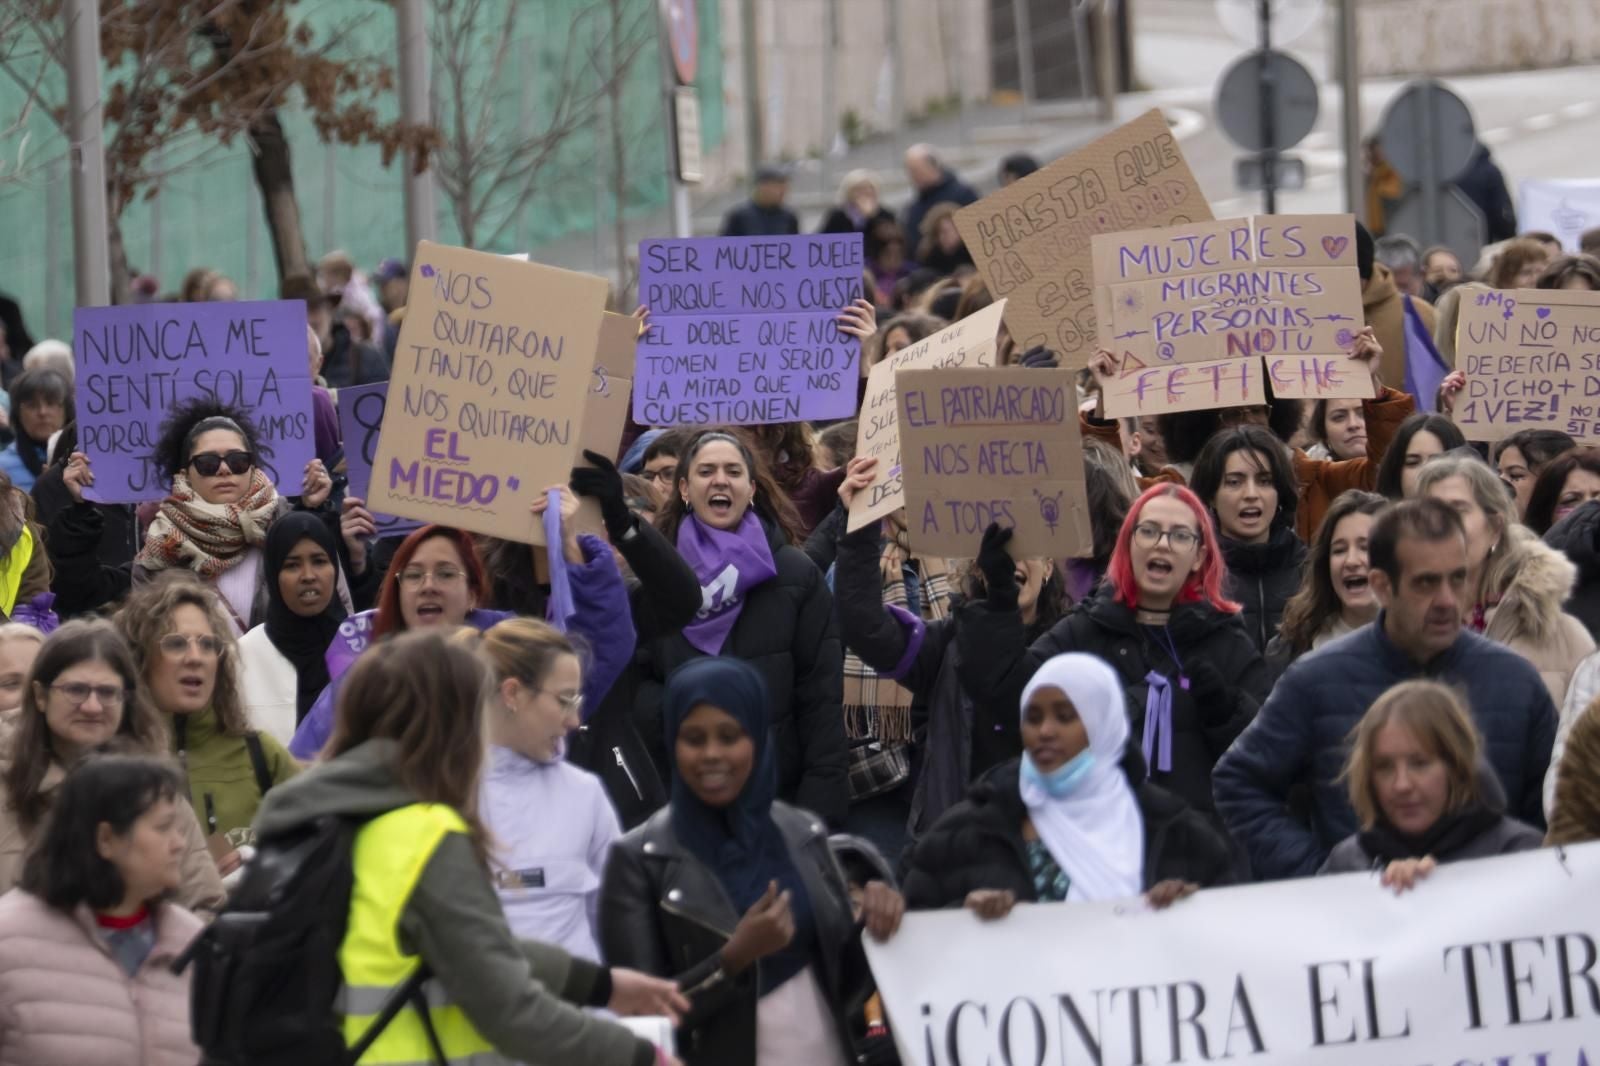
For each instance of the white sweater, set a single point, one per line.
(267, 686)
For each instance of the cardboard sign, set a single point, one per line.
(360, 426)
(982, 445)
(970, 342)
(744, 330)
(487, 397)
(1202, 315)
(605, 406)
(134, 363)
(1031, 239)
(1532, 358)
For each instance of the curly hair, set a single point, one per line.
(1315, 602)
(188, 420)
(32, 748)
(146, 617)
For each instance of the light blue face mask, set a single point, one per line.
(1065, 779)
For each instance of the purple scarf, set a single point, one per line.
(728, 565)
(1158, 721)
(559, 609)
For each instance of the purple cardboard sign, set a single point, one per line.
(134, 363)
(744, 330)
(360, 422)
(745, 370)
(750, 275)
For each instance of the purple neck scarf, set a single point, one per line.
(729, 564)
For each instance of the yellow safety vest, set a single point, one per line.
(391, 852)
(12, 569)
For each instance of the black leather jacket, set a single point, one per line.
(663, 912)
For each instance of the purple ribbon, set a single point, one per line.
(1158, 721)
(560, 608)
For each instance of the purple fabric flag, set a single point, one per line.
(360, 420)
(559, 609)
(135, 362)
(1425, 369)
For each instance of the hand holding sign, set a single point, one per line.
(77, 476)
(357, 527)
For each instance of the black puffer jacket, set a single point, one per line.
(787, 631)
(958, 739)
(978, 843)
(1262, 577)
(996, 665)
(1578, 537)
(663, 912)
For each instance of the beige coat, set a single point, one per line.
(64, 1001)
(201, 890)
(1529, 619)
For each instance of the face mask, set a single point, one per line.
(1065, 779)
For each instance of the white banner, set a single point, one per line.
(1489, 963)
(1565, 208)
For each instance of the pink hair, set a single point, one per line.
(1203, 585)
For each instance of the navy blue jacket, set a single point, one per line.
(1302, 735)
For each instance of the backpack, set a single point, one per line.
(267, 969)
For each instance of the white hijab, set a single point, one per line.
(1096, 835)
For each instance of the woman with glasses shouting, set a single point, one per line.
(214, 520)
(1192, 675)
(83, 691)
(184, 649)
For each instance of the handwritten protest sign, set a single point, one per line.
(487, 396)
(1031, 239)
(744, 329)
(970, 342)
(360, 426)
(605, 407)
(1205, 315)
(134, 363)
(982, 445)
(1532, 358)
(1319, 971)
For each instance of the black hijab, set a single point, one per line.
(303, 641)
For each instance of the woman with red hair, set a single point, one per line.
(436, 579)
(1192, 676)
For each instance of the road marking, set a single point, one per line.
(1499, 135)
(1185, 122)
(1581, 109)
(1540, 122)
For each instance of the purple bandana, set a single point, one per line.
(729, 564)
(559, 609)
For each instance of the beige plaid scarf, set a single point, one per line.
(877, 708)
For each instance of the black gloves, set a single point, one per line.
(1209, 689)
(1040, 358)
(602, 483)
(998, 568)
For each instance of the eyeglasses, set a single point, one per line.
(177, 645)
(664, 474)
(445, 575)
(78, 693)
(571, 702)
(207, 464)
(1147, 535)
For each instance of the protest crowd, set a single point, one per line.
(684, 758)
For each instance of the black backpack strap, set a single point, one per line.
(258, 761)
(408, 994)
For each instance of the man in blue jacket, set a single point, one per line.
(1418, 553)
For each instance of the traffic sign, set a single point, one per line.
(1294, 101)
(683, 38)
(686, 130)
(1290, 19)
(1446, 218)
(1427, 133)
(1288, 173)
